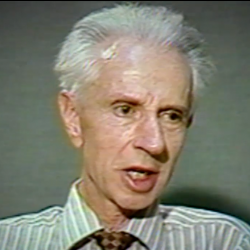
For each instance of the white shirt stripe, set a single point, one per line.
(16, 237)
(39, 235)
(49, 238)
(5, 238)
(166, 228)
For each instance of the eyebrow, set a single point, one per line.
(128, 97)
(180, 108)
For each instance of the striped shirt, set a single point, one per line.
(167, 227)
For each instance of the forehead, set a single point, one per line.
(143, 70)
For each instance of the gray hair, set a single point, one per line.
(78, 60)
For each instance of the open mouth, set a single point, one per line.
(140, 179)
(136, 173)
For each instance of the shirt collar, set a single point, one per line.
(79, 221)
(147, 227)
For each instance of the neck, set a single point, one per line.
(109, 214)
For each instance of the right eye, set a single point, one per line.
(124, 110)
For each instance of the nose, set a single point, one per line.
(150, 138)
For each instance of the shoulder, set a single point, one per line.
(27, 229)
(205, 229)
(44, 217)
(188, 216)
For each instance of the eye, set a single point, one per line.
(124, 110)
(173, 116)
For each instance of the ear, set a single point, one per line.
(70, 117)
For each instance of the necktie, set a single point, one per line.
(113, 240)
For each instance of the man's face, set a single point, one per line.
(133, 125)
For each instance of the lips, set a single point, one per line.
(140, 179)
(142, 169)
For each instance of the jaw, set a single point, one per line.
(113, 202)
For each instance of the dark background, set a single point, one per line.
(38, 164)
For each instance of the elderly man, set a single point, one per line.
(130, 77)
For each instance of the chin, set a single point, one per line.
(136, 202)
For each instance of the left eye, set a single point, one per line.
(123, 110)
(173, 116)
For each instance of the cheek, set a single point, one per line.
(105, 144)
(175, 141)
(111, 134)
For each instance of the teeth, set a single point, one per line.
(137, 175)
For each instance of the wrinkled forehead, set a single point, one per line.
(129, 50)
(128, 57)
(136, 67)
(134, 53)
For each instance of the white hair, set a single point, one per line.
(78, 60)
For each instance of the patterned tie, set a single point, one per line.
(113, 240)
